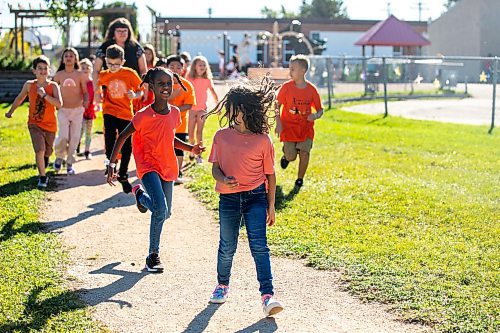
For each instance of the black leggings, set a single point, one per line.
(112, 127)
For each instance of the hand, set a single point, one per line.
(131, 94)
(271, 216)
(312, 117)
(97, 99)
(231, 182)
(111, 175)
(41, 91)
(198, 148)
(278, 129)
(9, 114)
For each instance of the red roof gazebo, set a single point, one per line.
(393, 32)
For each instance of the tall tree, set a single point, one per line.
(283, 13)
(450, 3)
(65, 12)
(323, 9)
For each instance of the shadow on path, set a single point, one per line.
(265, 325)
(200, 322)
(104, 294)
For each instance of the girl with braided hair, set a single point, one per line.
(243, 167)
(153, 144)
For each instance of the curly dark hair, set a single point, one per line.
(253, 99)
(151, 74)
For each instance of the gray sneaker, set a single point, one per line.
(43, 181)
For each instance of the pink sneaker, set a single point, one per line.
(270, 306)
(219, 295)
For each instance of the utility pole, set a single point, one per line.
(388, 8)
(419, 11)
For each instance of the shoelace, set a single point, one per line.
(266, 299)
(219, 292)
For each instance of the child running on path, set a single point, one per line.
(70, 116)
(89, 114)
(243, 167)
(120, 87)
(295, 123)
(184, 100)
(154, 140)
(200, 77)
(44, 97)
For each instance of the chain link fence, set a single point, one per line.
(448, 89)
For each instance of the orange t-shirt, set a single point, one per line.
(41, 112)
(184, 97)
(153, 142)
(246, 157)
(116, 85)
(297, 106)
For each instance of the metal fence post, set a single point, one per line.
(495, 79)
(330, 81)
(384, 71)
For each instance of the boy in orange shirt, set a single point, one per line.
(120, 87)
(184, 100)
(44, 96)
(295, 123)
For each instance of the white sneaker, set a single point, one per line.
(199, 160)
(179, 180)
(70, 170)
(270, 306)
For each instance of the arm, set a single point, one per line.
(195, 149)
(279, 126)
(85, 93)
(271, 197)
(219, 176)
(214, 94)
(95, 75)
(315, 116)
(19, 99)
(55, 100)
(185, 107)
(128, 131)
(143, 67)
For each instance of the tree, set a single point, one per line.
(323, 9)
(107, 18)
(449, 3)
(65, 12)
(283, 13)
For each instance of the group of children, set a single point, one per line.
(242, 153)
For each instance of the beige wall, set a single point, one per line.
(457, 32)
(490, 28)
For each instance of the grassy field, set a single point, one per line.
(407, 210)
(33, 295)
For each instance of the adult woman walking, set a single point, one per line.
(120, 32)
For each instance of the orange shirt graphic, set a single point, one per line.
(41, 112)
(298, 104)
(116, 85)
(183, 97)
(247, 157)
(153, 142)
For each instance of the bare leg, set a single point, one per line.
(303, 163)
(200, 124)
(40, 162)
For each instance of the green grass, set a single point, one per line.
(407, 210)
(33, 295)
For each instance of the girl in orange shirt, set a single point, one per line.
(153, 146)
(243, 167)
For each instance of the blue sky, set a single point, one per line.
(356, 9)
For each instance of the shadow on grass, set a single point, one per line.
(104, 294)
(200, 322)
(19, 186)
(19, 167)
(265, 325)
(8, 231)
(37, 312)
(282, 200)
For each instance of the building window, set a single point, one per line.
(288, 51)
(396, 51)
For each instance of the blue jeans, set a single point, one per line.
(158, 199)
(251, 208)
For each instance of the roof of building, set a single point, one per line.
(392, 32)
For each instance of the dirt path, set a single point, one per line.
(108, 240)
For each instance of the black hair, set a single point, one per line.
(173, 58)
(62, 66)
(41, 59)
(115, 52)
(253, 100)
(150, 75)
